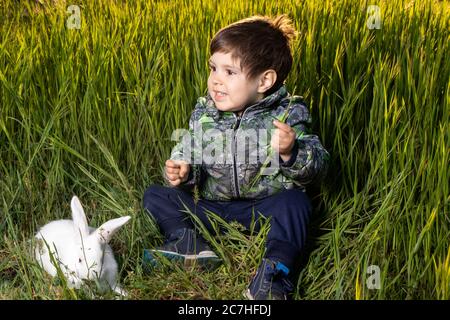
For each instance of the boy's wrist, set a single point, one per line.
(286, 157)
(288, 160)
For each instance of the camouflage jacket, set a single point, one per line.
(230, 156)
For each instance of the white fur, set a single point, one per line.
(80, 251)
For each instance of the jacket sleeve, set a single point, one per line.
(309, 160)
(189, 149)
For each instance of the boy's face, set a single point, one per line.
(228, 85)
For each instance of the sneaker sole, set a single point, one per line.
(207, 259)
(248, 295)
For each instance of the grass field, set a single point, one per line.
(90, 112)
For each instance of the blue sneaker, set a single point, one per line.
(270, 282)
(184, 246)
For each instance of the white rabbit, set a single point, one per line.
(81, 252)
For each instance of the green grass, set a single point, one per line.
(91, 111)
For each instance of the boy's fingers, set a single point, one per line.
(184, 169)
(175, 182)
(172, 170)
(275, 142)
(171, 164)
(173, 177)
(276, 135)
(175, 163)
(282, 126)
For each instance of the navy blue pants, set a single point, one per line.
(289, 213)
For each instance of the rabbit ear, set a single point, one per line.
(105, 232)
(79, 218)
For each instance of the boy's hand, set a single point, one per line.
(283, 139)
(177, 171)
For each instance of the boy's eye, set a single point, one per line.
(212, 68)
(230, 73)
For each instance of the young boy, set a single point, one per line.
(250, 60)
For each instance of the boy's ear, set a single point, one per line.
(266, 80)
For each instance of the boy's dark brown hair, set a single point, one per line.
(262, 43)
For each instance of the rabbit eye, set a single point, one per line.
(79, 260)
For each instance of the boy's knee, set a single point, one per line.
(297, 199)
(152, 194)
(153, 189)
(294, 195)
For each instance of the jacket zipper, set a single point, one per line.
(236, 126)
(235, 174)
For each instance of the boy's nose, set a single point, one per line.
(216, 81)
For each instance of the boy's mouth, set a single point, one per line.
(219, 95)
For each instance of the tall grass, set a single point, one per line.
(91, 112)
